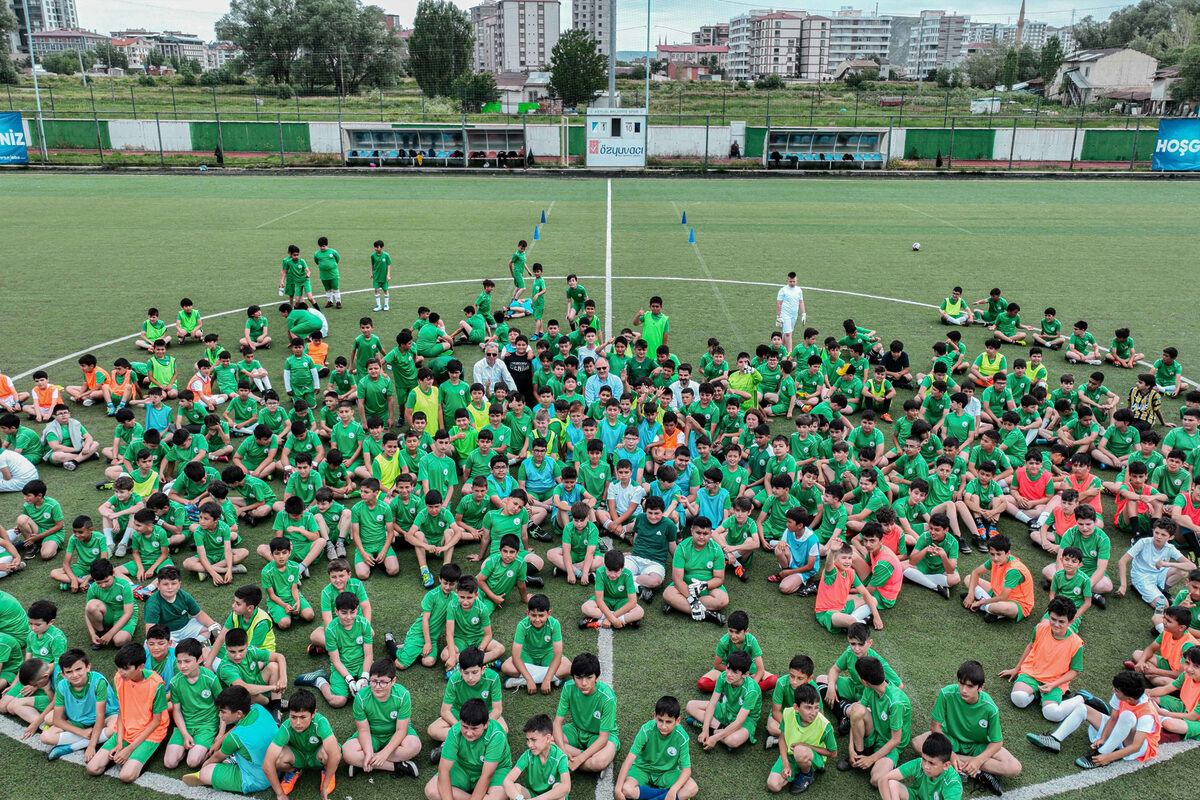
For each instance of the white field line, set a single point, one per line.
(290, 213)
(931, 216)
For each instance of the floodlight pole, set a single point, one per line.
(612, 53)
(37, 95)
(648, 62)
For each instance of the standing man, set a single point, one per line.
(789, 304)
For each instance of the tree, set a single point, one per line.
(1050, 59)
(1009, 71)
(266, 31)
(1186, 89)
(440, 47)
(769, 82)
(985, 68)
(638, 73)
(347, 45)
(65, 62)
(473, 89)
(155, 58)
(577, 69)
(111, 57)
(8, 25)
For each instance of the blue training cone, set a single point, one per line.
(535, 233)
(692, 236)
(684, 220)
(543, 216)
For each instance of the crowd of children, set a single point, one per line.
(645, 473)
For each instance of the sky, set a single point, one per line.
(672, 20)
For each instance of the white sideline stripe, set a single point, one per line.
(604, 636)
(1082, 780)
(931, 216)
(148, 780)
(285, 216)
(737, 332)
(610, 277)
(532, 242)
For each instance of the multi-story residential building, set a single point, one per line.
(44, 15)
(485, 22)
(515, 35)
(182, 46)
(66, 39)
(137, 50)
(592, 16)
(739, 44)
(937, 40)
(813, 59)
(692, 53)
(854, 35)
(220, 54)
(716, 34)
(775, 43)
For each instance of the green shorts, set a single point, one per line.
(337, 685)
(332, 283)
(130, 627)
(518, 279)
(227, 778)
(582, 740)
(825, 618)
(539, 309)
(358, 559)
(411, 649)
(310, 760)
(296, 288)
(1172, 703)
(847, 689)
(655, 780)
(380, 284)
(141, 753)
(882, 601)
(818, 763)
(1055, 695)
(57, 538)
(204, 737)
(278, 612)
(542, 496)
(40, 700)
(476, 336)
(877, 740)
(968, 749)
(461, 779)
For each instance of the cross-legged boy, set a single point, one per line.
(537, 660)
(805, 742)
(474, 760)
(142, 720)
(84, 709)
(1007, 592)
(250, 730)
(305, 741)
(932, 776)
(590, 737)
(842, 685)
(383, 724)
(659, 762)
(731, 714)
(880, 723)
(615, 601)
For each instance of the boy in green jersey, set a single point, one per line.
(215, 557)
(659, 763)
(256, 335)
(423, 634)
(152, 330)
(615, 601)
(538, 301)
(932, 777)
(731, 714)
(1122, 353)
(800, 672)
(381, 276)
(83, 548)
(281, 583)
(880, 723)
(192, 693)
(968, 717)
(372, 532)
(1168, 373)
(250, 730)
(300, 375)
(305, 741)
(474, 760)
(469, 623)
(383, 725)
(656, 326)
(29, 697)
(327, 260)
(188, 324)
(350, 644)
(433, 533)
(543, 765)
(590, 737)
(470, 681)
(295, 278)
(537, 661)
(517, 269)
(46, 641)
(580, 540)
(111, 614)
(1082, 347)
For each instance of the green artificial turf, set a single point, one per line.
(87, 255)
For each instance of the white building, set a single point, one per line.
(937, 40)
(813, 59)
(1034, 34)
(182, 46)
(44, 15)
(717, 34)
(136, 49)
(592, 16)
(220, 54)
(692, 53)
(854, 36)
(739, 44)
(515, 35)
(775, 43)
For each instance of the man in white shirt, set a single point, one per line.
(602, 377)
(491, 371)
(789, 304)
(15, 471)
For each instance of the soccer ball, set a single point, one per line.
(916, 245)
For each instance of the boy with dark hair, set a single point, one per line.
(84, 713)
(1129, 732)
(731, 714)
(476, 755)
(383, 722)
(880, 723)
(192, 692)
(659, 762)
(249, 731)
(933, 777)
(543, 764)
(805, 741)
(142, 720)
(590, 738)
(305, 740)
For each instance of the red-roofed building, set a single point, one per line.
(66, 39)
(692, 53)
(135, 48)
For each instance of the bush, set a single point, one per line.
(285, 92)
(769, 82)
(146, 80)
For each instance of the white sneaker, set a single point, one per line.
(386, 307)
(514, 683)
(377, 307)
(330, 551)
(122, 549)
(239, 569)
(88, 403)
(341, 549)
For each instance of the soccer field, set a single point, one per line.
(89, 254)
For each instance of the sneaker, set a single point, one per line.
(588, 622)
(1099, 601)
(328, 304)
(239, 569)
(450, 672)
(58, 752)
(406, 769)
(540, 533)
(695, 723)
(338, 304)
(534, 582)
(1091, 701)
(769, 742)
(122, 549)
(287, 782)
(843, 764)
(435, 755)
(989, 617)
(886, 418)
(646, 595)
(112, 411)
(310, 678)
(426, 578)
(330, 551)
(377, 307)
(386, 307)
(666, 606)
(88, 403)
(69, 466)
(715, 617)
(305, 573)
(315, 650)
(843, 727)
(192, 779)
(944, 591)
(104, 486)
(1044, 741)
(1087, 762)
(801, 783)
(332, 782)
(514, 683)
(389, 642)
(981, 542)
(1046, 584)
(964, 547)
(740, 572)
(990, 782)
(1035, 526)
(1160, 605)
(809, 589)
(341, 549)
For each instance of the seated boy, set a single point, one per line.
(85, 712)
(1130, 732)
(249, 731)
(1162, 661)
(111, 613)
(543, 765)
(805, 741)
(615, 601)
(932, 775)
(968, 717)
(474, 760)
(731, 714)
(142, 721)
(835, 608)
(421, 639)
(470, 681)
(1007, 592)
(216, 557)
(880, 723)
(469, 623)
(305, 741)
(798, 554)
(842, 685)
(191, 694)
(1181, 714)
(281, 584)
(800, 672)
(178, 610)
(933, 561)
(590, 737)
(1049, 663)
(737, 639)
(1154, 563)
(537, 660)
(697, 574)
(350, 644)
(383, 725)
(659, 762)
(29, 698)
(260, 672)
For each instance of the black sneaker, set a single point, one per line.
(944, 591)
(964, 547)
(535, 581)
(990, 782)
(645, 594)
(588, 622)
(405, 769)
(103, 486)
(843, 764)
(389, 641)
(801, 783)
(435, 755)
(667, 607)
(637, 623)
(1046, 584)
(843, 727)
(1099, 601)
(989, 617)
(808, 590)
(715, 617)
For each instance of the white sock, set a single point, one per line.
(981, 593)
(1023, 517)
(1071, 720)
(127, 536)
(921, 579)
(321, 683)
(1120, 732)
(862, 612)
(1042, 517)
(108, 534)
(621, 618)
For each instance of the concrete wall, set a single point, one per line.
(685, 140)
